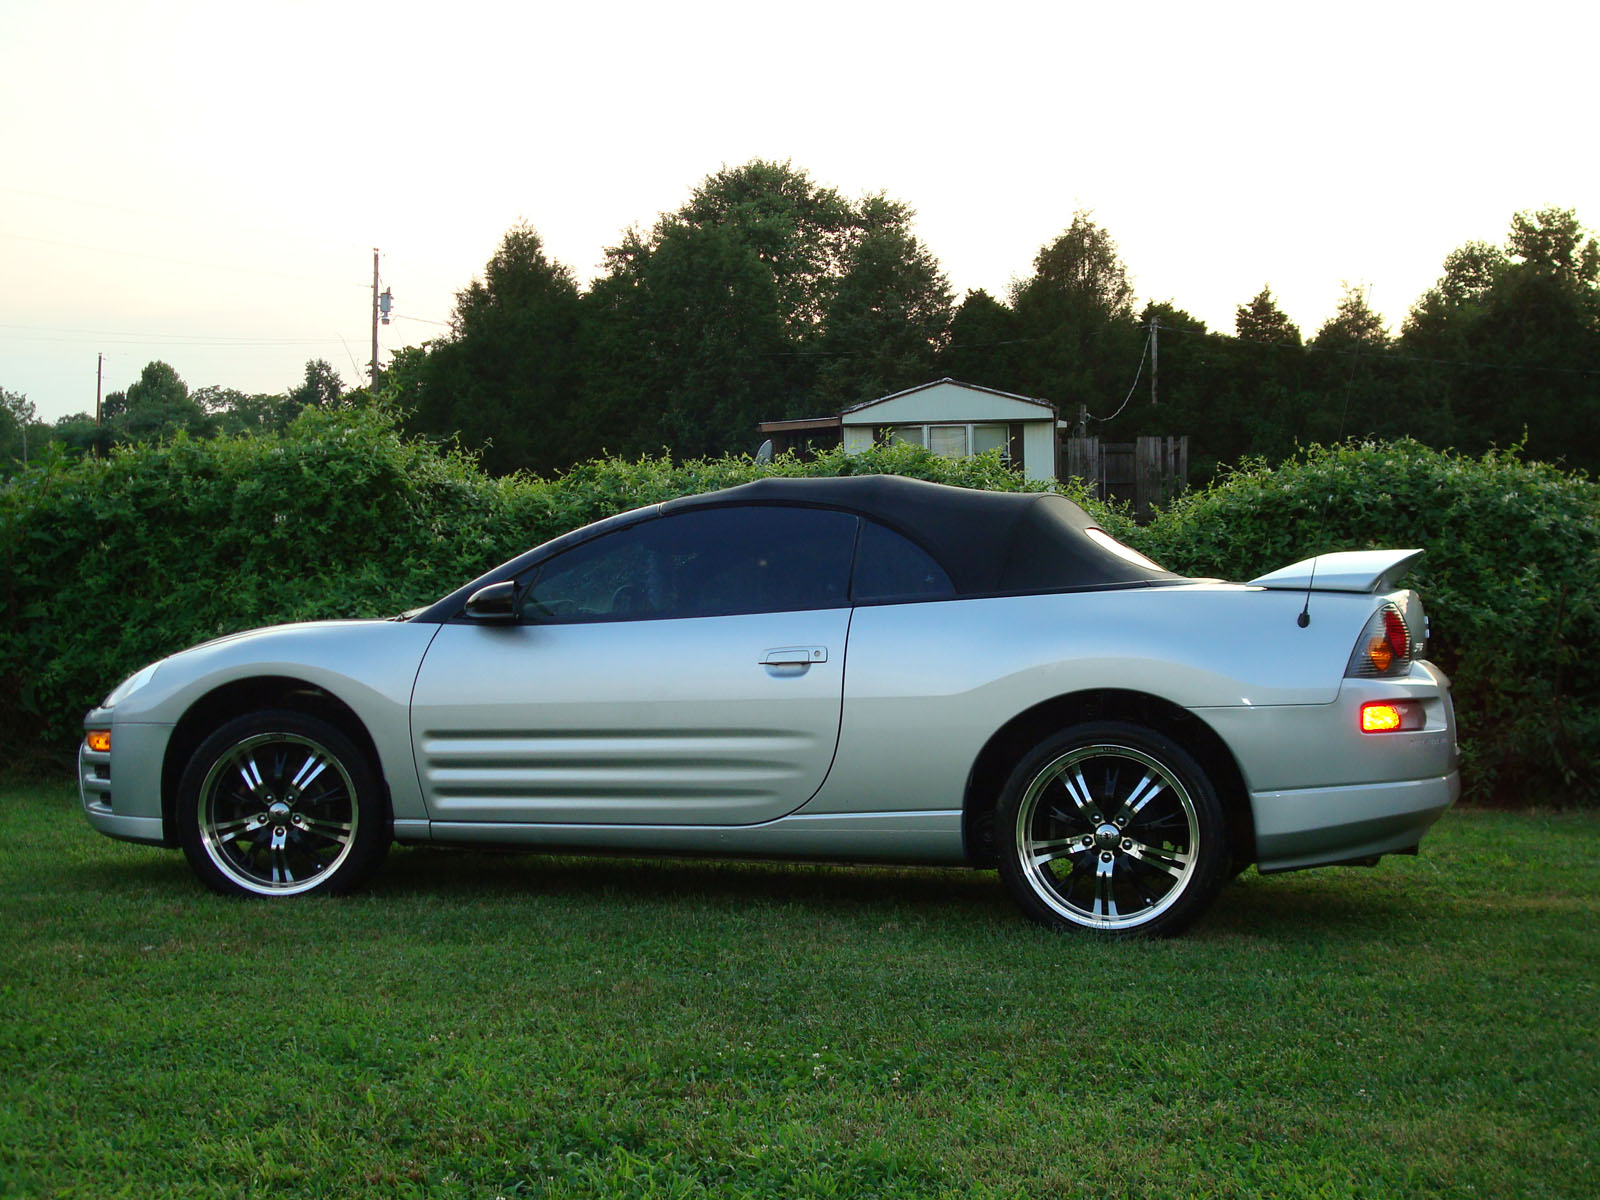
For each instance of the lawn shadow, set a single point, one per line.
(155, 871)
(717, 881)
(1289, 908)
(1311, 905)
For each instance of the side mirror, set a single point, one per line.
(495, 604)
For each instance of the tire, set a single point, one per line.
(1112, 828)
(281, 803)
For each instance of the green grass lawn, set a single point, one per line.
(511, 1025)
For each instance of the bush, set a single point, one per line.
(112, 563)
(1509, 581)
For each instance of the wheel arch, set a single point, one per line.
(1007, 745)
(240, 696)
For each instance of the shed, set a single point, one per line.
(950, 418)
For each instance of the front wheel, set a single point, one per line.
(1113, 828)
(280, 803)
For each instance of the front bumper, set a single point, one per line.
(127, 807)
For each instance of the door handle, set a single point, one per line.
(795, 656)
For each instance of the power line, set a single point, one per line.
(1385, 354)
(130, 339)
(187, 221)
(1131, 387)
(188, 262)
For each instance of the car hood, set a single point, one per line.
(266, 633)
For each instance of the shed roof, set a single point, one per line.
(971, 387)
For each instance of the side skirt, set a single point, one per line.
(891, 837)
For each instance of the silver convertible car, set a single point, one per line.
(870, 669)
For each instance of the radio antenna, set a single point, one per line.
(1304, 618)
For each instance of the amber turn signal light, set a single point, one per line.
(1392, 716)
(99, 740)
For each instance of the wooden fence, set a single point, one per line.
(1145, 472)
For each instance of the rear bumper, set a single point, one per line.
(1323, 792)
(1314, 827)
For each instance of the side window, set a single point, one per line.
(706, 563)
(889, 567)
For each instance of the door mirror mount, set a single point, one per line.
(495, 604)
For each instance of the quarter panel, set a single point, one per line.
(929, 684)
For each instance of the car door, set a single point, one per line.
(686, 670)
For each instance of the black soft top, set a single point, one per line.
(988, 542)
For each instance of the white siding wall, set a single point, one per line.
(1039, 449)
(857, 438)
(945, 402)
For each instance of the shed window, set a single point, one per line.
(956, 441)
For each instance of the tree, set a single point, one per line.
(1079, 270)
(796, 299)
(1510, 337)
(801, 232)
(685, 343)
(506, 378)
(235, 412)
(1552, 241)
(1470, 274)
(158, 385)
(80, 435)
(1076, 309)
(983, 344)
(321, 387)
(1263, 321)
(18, 420)
(1354, 326)
(158, 404)
(889, 314)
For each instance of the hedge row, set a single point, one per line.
(110, 564)
(1510, 582)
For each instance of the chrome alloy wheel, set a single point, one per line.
(1107, 836)
(277, 813)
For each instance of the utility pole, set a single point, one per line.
(374, 316)
(99, 376)
(1155, 355)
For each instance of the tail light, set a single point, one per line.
(1384, 647)
(1392, 716)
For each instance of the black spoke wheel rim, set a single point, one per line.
(278, 813)
(1107, 836)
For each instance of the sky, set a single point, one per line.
(205, 183)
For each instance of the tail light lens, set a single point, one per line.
(1384, 647)
(1392, 716)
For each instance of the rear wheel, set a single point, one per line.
(1114, 828)
(281, 803)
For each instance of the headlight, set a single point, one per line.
(129, 686)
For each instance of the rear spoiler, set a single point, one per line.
(1346, 571)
